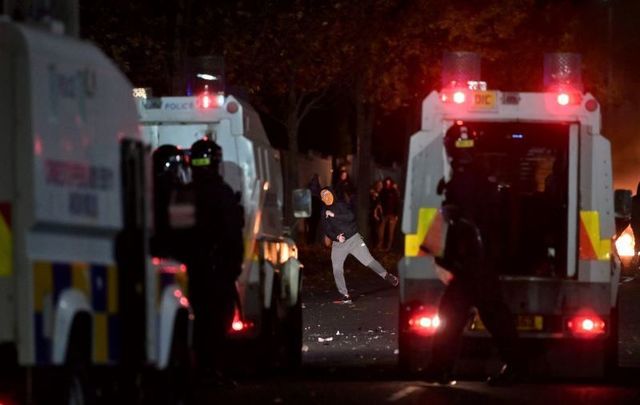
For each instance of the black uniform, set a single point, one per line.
(215, 263)
(467, 256)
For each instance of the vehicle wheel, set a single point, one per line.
(404, 355)
(61, 386)
(174, 382)
(292, 338)
(611, 347)
(77, 390)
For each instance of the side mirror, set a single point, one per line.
(622, 209)
(301, 203)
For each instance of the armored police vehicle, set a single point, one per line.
(268, 315)
(554, 212)
(77, 287)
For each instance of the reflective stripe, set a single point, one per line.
(412, 242)
(112, 290)
(99, 283)
(591, 246)
(6, 242)
(80, 278)
(42, 284)
(201, 161)
(100, 352)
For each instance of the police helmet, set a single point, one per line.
(167, 159)
(461, 144)
(205, 153)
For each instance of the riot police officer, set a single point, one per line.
(170, 183)
(216, 260)
(467, 256)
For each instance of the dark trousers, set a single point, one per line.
(460, 295)
(213, 302)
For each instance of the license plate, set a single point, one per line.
(483, 100)
(523, 323)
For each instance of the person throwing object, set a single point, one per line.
(339, 225)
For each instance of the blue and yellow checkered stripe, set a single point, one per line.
(100, 285)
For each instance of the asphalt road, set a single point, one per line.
(350, 354)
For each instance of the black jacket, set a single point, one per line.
(343, 220)
(218, 230)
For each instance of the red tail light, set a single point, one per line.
(586, 325)
(238, 325)
(424, 323)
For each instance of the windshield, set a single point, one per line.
(527, 164)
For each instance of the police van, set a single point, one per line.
(78, 288)
(551, 166)
(268, 314)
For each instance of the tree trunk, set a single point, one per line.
(291, 163)
(364, 133)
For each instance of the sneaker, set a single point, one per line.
(345, 299)
(391, 279)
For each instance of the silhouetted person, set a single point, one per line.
(475, 283)
(216, 260)
(344, 188)
(375, 210)
(316, 206)
(390, 203)
(170, 185)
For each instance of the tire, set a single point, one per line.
(71, 384)
(172, 386)
(611, 346)
(405, 364)
(292, 338)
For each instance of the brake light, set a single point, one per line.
(586, 325)
(424, 323)
(238, 325)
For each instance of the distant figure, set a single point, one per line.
(344, 188)
(339, 225)
(375, 210)
(216, 259)
(316, 206)
(635, 220)
(390, 203)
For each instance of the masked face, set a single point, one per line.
(327, 197)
